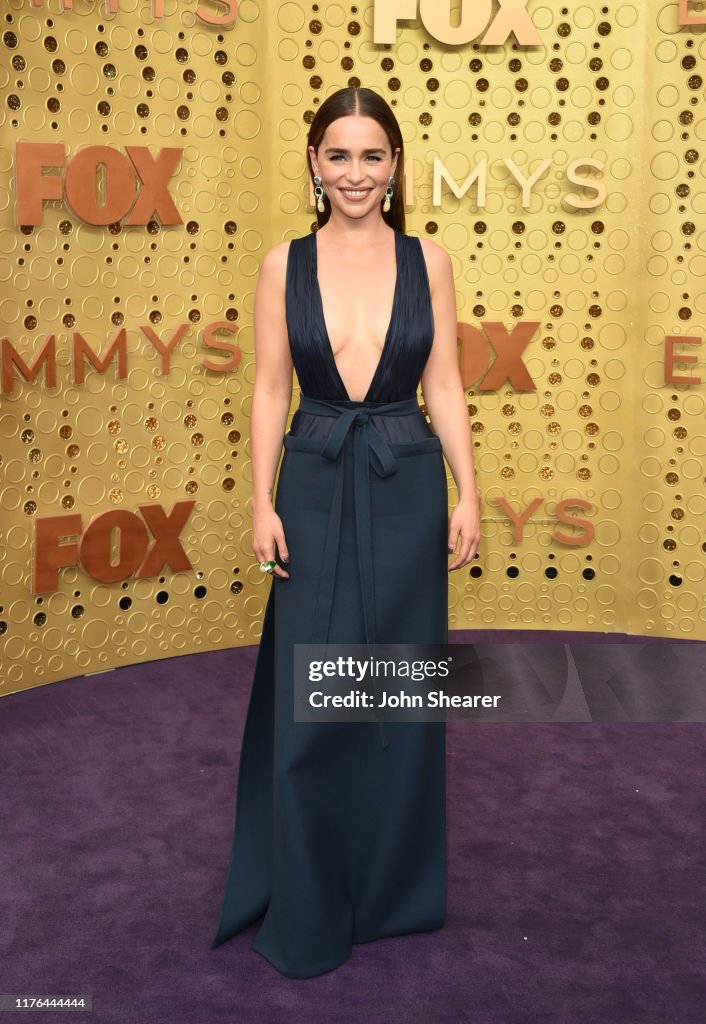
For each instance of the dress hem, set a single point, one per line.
(332, 965)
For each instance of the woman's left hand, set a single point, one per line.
(465, 523)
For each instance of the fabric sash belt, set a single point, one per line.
(369, 448)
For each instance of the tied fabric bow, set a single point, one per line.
(369, 448)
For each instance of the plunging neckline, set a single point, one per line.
(386, 342)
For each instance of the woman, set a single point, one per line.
(340, 833)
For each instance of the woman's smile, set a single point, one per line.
(356, 195)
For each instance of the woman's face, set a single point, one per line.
(355, 163)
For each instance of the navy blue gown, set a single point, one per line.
(340, 828)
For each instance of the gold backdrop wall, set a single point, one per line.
(595, 271)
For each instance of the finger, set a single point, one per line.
(278, 570)
(282, 547)
(268, 555)
(457, 562)
(464, 555)
(283, 555)
(472, 549)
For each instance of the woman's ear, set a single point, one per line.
(312, 155)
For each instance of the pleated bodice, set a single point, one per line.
(405, 351)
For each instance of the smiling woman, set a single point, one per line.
(355, 158)
(340, 832)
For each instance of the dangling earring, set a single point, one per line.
(319, 193)
(388, 194)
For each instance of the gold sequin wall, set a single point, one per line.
(151, 156)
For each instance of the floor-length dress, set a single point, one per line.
(340, 828)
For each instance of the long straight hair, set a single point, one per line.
(366, 103)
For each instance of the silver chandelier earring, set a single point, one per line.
(319, 193)
(388, 194)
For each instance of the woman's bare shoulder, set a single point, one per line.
(275, 259)
(434, 254)
(274, 263)
(437, 260)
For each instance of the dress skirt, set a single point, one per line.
(340, 827)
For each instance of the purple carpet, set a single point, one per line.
(577, 872)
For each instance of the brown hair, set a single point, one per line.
(366, 103)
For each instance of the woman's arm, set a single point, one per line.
(272, 397)
(446, 403)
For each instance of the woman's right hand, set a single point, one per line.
(268, 530)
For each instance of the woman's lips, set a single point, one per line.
(353, 198)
